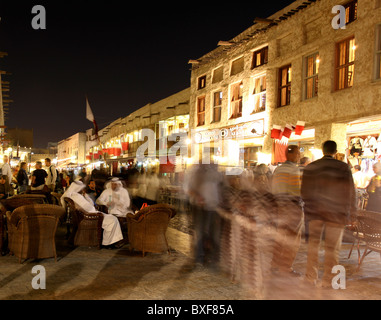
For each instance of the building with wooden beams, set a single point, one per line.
(291, 67)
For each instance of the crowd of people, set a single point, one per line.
(298, 197)
(113, 196)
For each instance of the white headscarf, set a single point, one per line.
(82, 201)
(75, 187)
(115, 181)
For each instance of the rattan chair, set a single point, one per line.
(9, 205)
(147, 229)
(87, 227)
(32, 230)
(35, 198)
(13, 203)
(56, 198)
(356, 231)
(370, 226)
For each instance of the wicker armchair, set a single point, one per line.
(35, 198)
(147, 228)
(369, 226)
(87, 227)
(356, 232)
(13, 203)
(32, 229)
(10, 205)
(56, 198)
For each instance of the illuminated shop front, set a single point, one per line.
(120, 152)
(239, 145)
(17, 155)
(363, 142)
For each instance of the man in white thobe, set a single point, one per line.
(112, 232)
(115, 198)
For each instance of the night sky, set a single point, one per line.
(121, 54)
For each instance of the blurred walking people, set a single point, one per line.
(261, 178)
(247, 179)
(203, 185)
(22, 178)
(289, 220)
(142, 184)
(153, 187)
(361, 181)
(374, 190)
(329, 196)
(147, 189)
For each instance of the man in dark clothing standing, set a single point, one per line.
(329, 195)
(38, 177)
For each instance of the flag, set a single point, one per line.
(90, 117)
(287, 131)
(89, 112)
(276, 132)
(299, 127)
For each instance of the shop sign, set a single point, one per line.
(239, 131)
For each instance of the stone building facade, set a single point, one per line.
(165, 118)
(295, 66)
(71, 151)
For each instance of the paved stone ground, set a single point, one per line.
(91, 274)
(183, 222)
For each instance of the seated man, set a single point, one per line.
(112, 232)
(115, 198)
(93, 191)
(5, 188)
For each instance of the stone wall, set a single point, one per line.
(305, 32)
